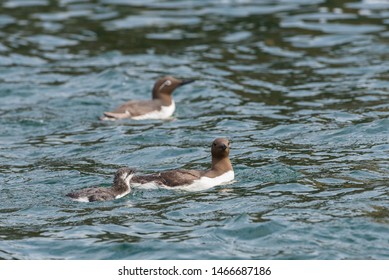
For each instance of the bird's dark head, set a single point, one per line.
(123, 174)
(166, 86)
(220, 148)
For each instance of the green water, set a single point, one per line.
(301, 88)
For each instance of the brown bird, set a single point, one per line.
(120, 188)
(162, 105)
(221, 172)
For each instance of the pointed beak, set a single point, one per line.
(185, 82)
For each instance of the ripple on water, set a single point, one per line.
(300, 89)
(149, 20)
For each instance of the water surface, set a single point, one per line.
(300, 88)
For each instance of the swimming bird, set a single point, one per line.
(221, 172)
(120, 187)
(161, 106)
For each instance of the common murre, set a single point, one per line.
(161, 106)
(221, 172)
(120, 188)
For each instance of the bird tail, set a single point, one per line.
(114, 116)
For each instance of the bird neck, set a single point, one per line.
(221, 164)
(119, 186)
(166, 98)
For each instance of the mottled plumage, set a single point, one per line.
(120, 187)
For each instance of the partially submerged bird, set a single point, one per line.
(161, 106)
(221, 172)
(120, 188)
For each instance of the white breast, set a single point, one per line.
(123, 194)
(81, 199)
(164, 113)
(127, 180)
(203, 183)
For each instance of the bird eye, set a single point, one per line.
(165, 83)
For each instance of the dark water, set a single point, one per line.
(300, 87)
